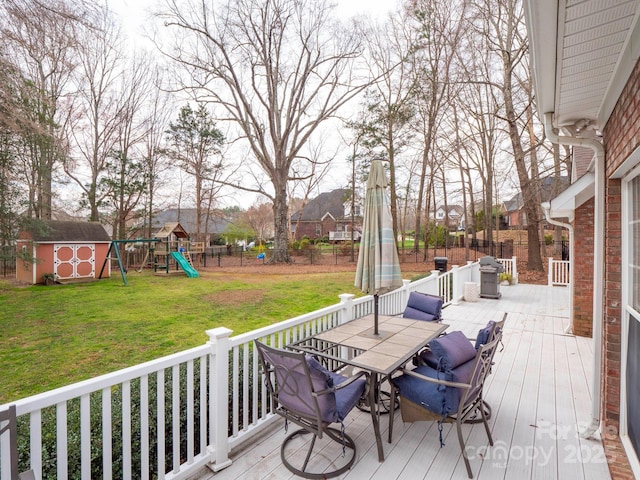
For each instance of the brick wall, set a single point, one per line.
(583, 270)
(621, 137)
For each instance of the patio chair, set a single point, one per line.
(423, 306)
(445, 396)
(486, 334)
(307, 394)
(9, 426)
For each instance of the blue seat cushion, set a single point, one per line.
(334, 407)
(438, 399)
(485, 334)
(451, 350)
(415, 314)
(423, 307)
(347, 397)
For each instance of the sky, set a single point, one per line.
(133, 11)
(134, 16)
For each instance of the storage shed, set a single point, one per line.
(66, 250)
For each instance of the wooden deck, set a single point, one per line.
(539, 391)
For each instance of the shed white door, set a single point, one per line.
(74, 260)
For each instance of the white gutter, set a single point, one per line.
(546, 208)
(598, 262)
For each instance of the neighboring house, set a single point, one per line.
(514, 214)
(587, 84)
(215, 226)
(329, 214)
(455, 216)
(64, 250)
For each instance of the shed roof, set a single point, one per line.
(69, 231)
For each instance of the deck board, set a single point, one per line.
(539, 391)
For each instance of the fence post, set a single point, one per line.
(550, 271)
(219, 397)
(514, 273)
(346, 300)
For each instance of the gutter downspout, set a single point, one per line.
(598, 263)
(546, 208)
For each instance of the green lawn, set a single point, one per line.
(57, 335)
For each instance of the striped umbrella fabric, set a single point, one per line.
(378, 269)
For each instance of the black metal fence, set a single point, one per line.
(214, 257)
(7, 261)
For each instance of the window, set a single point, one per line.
(318, 229)
(634, 233)
(630, 394)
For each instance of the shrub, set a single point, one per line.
(74, 440)
(345, 248)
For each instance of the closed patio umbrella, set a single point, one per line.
(378, 269)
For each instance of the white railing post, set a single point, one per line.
(219, 397)
(405, 293)
(514, 274)
(346, 301)
(550, 272)
(456, 289)
(434, 287)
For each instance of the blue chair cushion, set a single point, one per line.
(347, 397)
(423, 307)
(416, 314)
(334, 407)
(485, 334)
(438, 399)
(429, 358)
(451, 350)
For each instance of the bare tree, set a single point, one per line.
(384, 122)
(125, 181)
(259, 218)
(307, 181)
(482, 133)
(156, 120)
(505, 33)
(280, 68)
(98, 105)
(42, 44)
(439, 27)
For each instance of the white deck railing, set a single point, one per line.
(510, 268)
(171, 416)
(559, 272)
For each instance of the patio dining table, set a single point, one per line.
(354, 343)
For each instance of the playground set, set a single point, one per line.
(170, 250)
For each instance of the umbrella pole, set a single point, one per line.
(375, 314)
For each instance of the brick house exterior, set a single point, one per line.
(599, 109)
(327, 215)
(582, 262)
(514, 213)
(621, 137)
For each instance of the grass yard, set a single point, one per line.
(57, 335)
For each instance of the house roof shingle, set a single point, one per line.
(547, 185)
(328, 202)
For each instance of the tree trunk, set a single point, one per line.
(280, 216)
